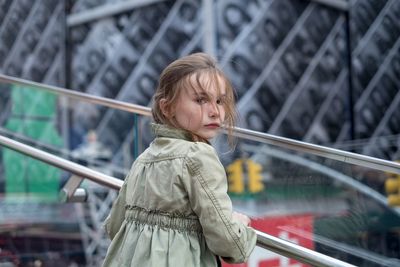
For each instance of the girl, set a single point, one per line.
(173, 208)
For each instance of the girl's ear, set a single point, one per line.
(164, 108)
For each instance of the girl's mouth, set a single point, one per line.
(212, 125)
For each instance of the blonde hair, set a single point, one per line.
(176, 76)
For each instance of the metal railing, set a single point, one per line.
(113, 9)
(264, 240)
(326, 152)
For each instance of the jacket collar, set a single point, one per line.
(161, 130)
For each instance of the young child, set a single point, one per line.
(173, 208)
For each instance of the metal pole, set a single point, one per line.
(349, 63)
(209, 43)
(106, 10)
(72, 167)
(264, 240)
(322, 151)
(297, 252)
(341, 5)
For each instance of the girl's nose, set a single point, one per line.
(213, 111)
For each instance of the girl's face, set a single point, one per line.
(201, 112)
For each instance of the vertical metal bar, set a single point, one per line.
(209, 43)
(350, 75)
(136, 137)
(67, 77)
(70, 187)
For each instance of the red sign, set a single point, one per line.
(297, 229)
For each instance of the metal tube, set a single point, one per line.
(72, 167)
(106, 10)
(341, 5)
(322, 151)
(108, 102)
(266, 241)
(209, 43)
(297, 252)
(326, 152)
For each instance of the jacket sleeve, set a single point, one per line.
(117, 214)
(207, 190)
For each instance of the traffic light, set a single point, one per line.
(392, 187)
(235, 177)
(255, 176)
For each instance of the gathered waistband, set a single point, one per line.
(163, 219)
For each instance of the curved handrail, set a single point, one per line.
(322, 151)
(59, 162)
(108, 102)
(341, 5)
(291, 250)
(326, 152)
(65, 153)
(264, 240)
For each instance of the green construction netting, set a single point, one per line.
(33, 114)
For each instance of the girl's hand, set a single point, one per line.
(241, 218)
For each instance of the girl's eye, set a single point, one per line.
(221, 101)
(201, 100)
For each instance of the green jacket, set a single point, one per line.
(173, 209)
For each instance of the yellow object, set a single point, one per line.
(255, 176)
(392, 188)
(392, 185)
(235, 176)
(394, 200)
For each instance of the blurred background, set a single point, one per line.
(323, 72)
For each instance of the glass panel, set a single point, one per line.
(86, 133)
(329, 206)
(32, 115)
(34, 225)
(332, 207)
(100, 138)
